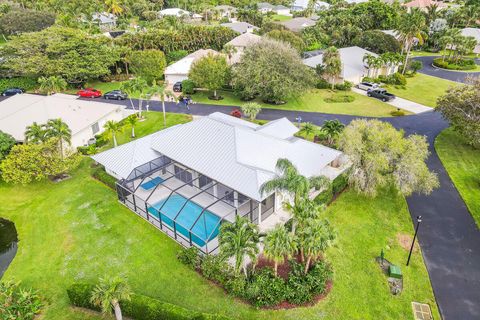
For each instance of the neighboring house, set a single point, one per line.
(473, 32)
(265, 7)
(354, 68)
(300, 5)
(281, 10)
(84, 118)
(179, 70)
(226, 11)
(240, 43)
(393, 33)
(240, 27)
(177, 12)
(424, 4)
(298, 24)
(105, 20)
(190, 179)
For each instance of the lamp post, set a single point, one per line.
(299, 120)
(419, 220)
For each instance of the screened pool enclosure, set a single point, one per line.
(186, 205)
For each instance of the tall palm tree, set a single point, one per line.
(279, 244)
(58, 129)
(108, 294)
(251, 109)
(332, 63)
(332, 129)
(291, 181)
(113, 128)
(162, 92)
(35, 133)
(52, 84)
(131, 87)
(411, 27)
(132, 120)
(239, 239)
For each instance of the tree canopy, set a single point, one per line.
(148, 64)
(6, 144)
(20, 21)
(210, 72)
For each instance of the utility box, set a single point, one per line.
(395, 272)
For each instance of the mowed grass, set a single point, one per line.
(76, 230)
(312, 101)
(462, 163)
(279, 17)
(423, 89)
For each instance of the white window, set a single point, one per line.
(95, 128)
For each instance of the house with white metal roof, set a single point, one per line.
(240, 27)
(105, 20)
(178, 71)
(179, 13)
(85, 118)
(189, 179)
(240, 43)
(300, 5)
(475, 33)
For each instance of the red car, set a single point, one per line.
(89, 93)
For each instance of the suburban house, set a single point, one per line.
(473, 32)
(354, 68)
(281, 10)
(179, 70)
(177, 12)
(424, 4)
(226, 11)
(240, 27)
(265, 7)
(240, 43)
(298, 24)
(85, 118)
(190, 179)
(300, 5)
(105, 20)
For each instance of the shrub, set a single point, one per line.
(339, 183)
(318, 276)
(325, 196)
(462, 64)
(298, 289)
(17, 303)
(397, 113)
(236, 113)
(189, 257)
(264, 289)
(215, 268)
(79, 295)
(188, 87)
(396, 79)
(322, 84)
(345, 86)
(101, 175)
(176, 55)
(236, 286)
(340, 99)
(18, 82)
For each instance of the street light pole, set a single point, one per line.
(419, 220)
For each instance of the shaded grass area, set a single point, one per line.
(77, 231)
(312, 101)
(462, 163)
(423, 89)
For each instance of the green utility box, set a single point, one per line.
(395, 272)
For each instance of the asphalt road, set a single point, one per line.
(457, 76)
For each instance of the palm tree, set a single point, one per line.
(58, 129)
(229, 50)
(52, 84)
(108, 294)
(113, 128)
(162, 92)
(291, 181)
(332, 63)
(308, 128)
(239, 239)
(251, 109)
(132, 120)
(279, 244)
(114, 7)
(35, 133)
(314, 238)
(410, 28)
(136, 85)
(332, 129)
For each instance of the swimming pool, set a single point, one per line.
(152, 183)
(204, 230)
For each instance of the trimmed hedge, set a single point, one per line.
(139, 306)
(101, 175)
(339, 183)
(325, 196)
(18, 82)
(340, 99)
(463, 64)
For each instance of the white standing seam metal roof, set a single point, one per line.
(19, 111)
(237, 153)
(240, 27)
(183, 65)
(352, 61)
(174, 12)
(472, 32)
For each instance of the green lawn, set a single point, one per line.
(462, 163)
(423, 89)
(279, 17)
(313, 101)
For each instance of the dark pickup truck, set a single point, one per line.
(381, 94)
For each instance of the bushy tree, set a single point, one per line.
(6, 144)
(273, 71)
(56, 51)
(461, 107)
(148, 64)
(210, 72)
(382, 155)
(287, 37)
(377, 41)
(20, 21)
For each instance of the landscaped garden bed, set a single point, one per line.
(452, 64)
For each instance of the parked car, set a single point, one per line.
(367, 86)
(12, 92)
(89, 93)
(177, 87)
(381, 94)
(115, 95)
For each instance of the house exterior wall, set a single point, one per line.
(173, 78)
(283, 12)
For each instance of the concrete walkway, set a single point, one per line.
(457, 76)
(401, 103)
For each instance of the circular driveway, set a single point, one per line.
(457, 76)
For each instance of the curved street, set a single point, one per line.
(449, 237)
(457, 76)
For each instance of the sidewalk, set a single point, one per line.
(401, 103)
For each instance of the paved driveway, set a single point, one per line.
(444, 74)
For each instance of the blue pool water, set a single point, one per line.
(152, 183)
(203, 231)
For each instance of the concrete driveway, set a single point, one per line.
(456, 76)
